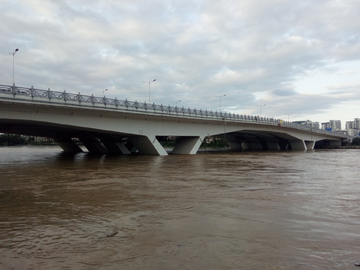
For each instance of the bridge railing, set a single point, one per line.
(114, 103)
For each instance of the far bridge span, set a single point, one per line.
(106, 125)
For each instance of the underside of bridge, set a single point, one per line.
(100, 142)
(72, 139)
(260, 141)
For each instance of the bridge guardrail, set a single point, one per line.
(61, 97)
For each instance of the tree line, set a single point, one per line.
(14, 139)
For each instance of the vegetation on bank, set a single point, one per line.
(356, 141)
(13, 140)
(214, 143)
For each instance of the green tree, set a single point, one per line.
(356, 141)
(11, 139)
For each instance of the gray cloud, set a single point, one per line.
(252, 51)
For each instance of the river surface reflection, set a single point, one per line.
(214, 210)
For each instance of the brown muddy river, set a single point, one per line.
(214, 210)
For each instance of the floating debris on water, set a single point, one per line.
(111, 234)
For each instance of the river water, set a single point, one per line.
(214, 210)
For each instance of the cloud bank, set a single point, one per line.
(299, 58)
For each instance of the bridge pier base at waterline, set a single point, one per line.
(302, 145)
(252, 143)
(146, 145)
(68, 145)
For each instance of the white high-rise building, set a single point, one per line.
(357, 123)
(353, 127)
(325, 125)
(335, 125)
(350, 125)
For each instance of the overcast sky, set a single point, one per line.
(300, 58)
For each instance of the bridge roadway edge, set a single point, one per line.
(62, 121)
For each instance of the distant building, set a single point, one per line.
(308, 123)
(335, 125)
(352, 132)
(353, 127)
(325, 126)
(350, 125)
(357, 123)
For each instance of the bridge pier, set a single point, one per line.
(298, 145)
(310, 145)
(283, 144)
(113, 146)
(68, 145)
(245, 146)
(187, 145)
(273, 146)
(93, 145)
(251, 143)
(234, 143)
(255, 146)
(148, 145)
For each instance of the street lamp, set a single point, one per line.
(260, 108)
(13, 53)
(289, 116)
(149, 82)
(220, 100)
(224, 118)
(177, 102)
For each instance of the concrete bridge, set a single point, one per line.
(115, 126)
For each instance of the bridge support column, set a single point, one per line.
(273, 145)
(129, 146)
(298, 145)
(124, 150)
(310, 145)
(234, 143)
(256, 146)
(251, 143)
(245, 146)
(187, 145)
(148, 146)
(68, 145)
(113, 146)
(283, 144)
(93, 145)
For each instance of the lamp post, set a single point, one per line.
(220, 100)
(289, 116)
(176, 102)
(224, 117)
(13, 53)
(260, 108)
(149, 82)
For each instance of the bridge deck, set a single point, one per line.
(121, 126)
